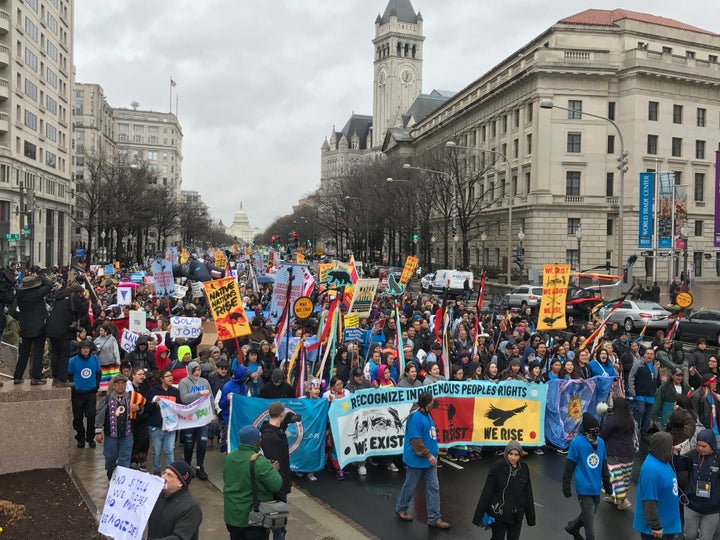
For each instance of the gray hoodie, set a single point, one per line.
(190, 387)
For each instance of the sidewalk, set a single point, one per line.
(310, 519)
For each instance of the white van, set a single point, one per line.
(454, 280)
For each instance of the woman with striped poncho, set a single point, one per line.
(618, 430)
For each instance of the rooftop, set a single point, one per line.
(609, 17)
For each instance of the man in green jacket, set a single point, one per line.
(238, 486)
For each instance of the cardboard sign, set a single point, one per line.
(185, 327)
(352, 320)
(227, 308)
(410, 265)
(130, 499)
(220, 259)
(180, 291)
(163, 274)
(124, 296)
(137, 321)
(128, 342)
(197, 289)
(551, 315)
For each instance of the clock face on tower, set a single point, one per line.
(381, 77)
(406, 76)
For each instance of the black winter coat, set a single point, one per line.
(32, 311)
(275, 447)
(68, 307)
(507, 498)
(176, 516)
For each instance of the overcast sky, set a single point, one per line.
(262, 82)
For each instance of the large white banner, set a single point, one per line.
(175, 416)
(280, 289)
(130, 499)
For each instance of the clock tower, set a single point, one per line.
(398, 47)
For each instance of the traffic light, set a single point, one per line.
(519, 257)
(415, 238)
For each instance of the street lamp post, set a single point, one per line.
(579, 235)
(685, 232)
(483, 238)
(521, 237)
(454, 196)
(508, 173)
(622, 167)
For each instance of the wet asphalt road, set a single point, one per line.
(371, 502)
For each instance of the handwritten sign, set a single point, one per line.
(197, 289)
(227, 308)
(410, 265)
(551, 315)
(128, 341)
(180, 291)
(352, 320)
(163, 274)
(185, 327)
(172, 254)
(130, 499)
(137, 321)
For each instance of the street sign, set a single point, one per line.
(26, 232)
(647, 253)
(11, 237)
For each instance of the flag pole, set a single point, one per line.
(171, 87)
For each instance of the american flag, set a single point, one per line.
(172, 83)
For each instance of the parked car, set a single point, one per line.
(580, 301)
(633, 314)
(701, 324)
(524, 296)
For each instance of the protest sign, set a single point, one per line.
(185, 327)
(128, 341)
(352, 320)
(280, 289)
(129, 501)
(172, 254)
(124, 296)
(227, 308)
(109, 270)
(163, 274)
(149, 280)
(551, 315)
(184, 255)
(354, 334)
(370, 422)
(221, 260)
(136, 323)
(363, 297)
(137, 277)
(306, 439)
(408, 270)
(181, 291)
(197, 289)
(175, 416)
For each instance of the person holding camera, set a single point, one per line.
(275, 447)
(69, 304)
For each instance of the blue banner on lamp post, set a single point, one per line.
(645, 212)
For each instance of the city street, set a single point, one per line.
(371, 502)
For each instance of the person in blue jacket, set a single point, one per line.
(236, 385)
(84, 369)
(702, 512)
(657, 510)
(587, 464)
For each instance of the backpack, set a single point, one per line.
(7, 286)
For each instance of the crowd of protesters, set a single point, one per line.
(656, 388)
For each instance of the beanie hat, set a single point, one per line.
(248, 435)
(182, 351)
(589, 423)
(183, 471)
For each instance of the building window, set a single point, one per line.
(699, 187)
(493, 128)
(52, 24)
(31, 30)
(51, 105)
(667, 50)
(573, 224)
(52, 78)
(574, 109)
(137, 139)
(52, 50)
(609, 184)
(152, 155)
(611, 110)
(31, 60)
(611, 144)
(30, 150)
(483, 133)
(572, 183)
(516, 118)
(677, 114)
(653, 108)
(51, 132)
(701, 117)
(676, 147)
(30, 90)
(689, 54)
(571, 258)
(123, 137)
(50, 159)
(609, 227)
(699, 149)
(574, 143)
(516, 148)
(712, 58)
(527, 182)
(652, 144)
(503, 125)
(698, 262)
(31, 120)
(33, 4)
(528, 143)
(698, 227)
(529, 112)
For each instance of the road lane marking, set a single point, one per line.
(448, 462)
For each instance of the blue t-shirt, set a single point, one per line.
(83, 372)
(420, 426)
(658, 483)
(589, 460)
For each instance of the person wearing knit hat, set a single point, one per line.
(176, 513)
(706, 404)
(192, 388)
(587, 463)
(507, 495)
(237, 483)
